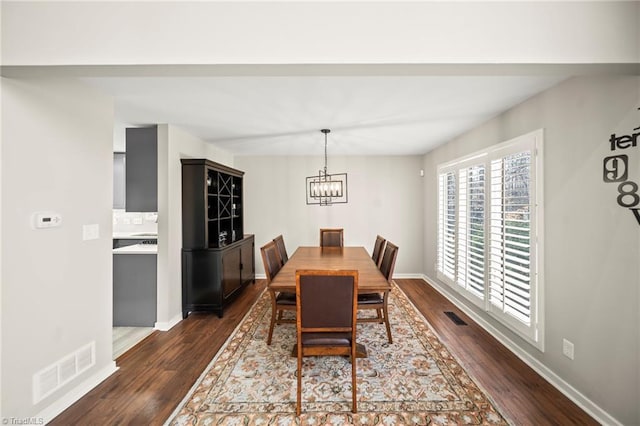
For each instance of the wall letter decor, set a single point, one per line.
(615, 169)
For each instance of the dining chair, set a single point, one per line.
(283, 301)
(331, 237)
(380, 301)
(326, 320)
(378, 248)
(282, 250)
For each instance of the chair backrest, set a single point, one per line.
(282, 250)
(331, 237)
(327, 300)
(389, 260)
(271, 259)
(378, 247)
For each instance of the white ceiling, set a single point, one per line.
(283, 115)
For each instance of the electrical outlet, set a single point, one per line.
(567, 348)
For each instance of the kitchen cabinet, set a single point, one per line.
(134, 290)
(141, 169)
(218, 260)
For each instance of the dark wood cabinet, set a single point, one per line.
(211, 204)
(218, 260)
(211, 278)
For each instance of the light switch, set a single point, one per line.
(90, 232)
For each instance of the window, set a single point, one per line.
(489, 232)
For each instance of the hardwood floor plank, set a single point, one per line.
(520, 393)
(157, 373)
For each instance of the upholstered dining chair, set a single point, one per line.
(388, 263)
(283, 301)
(282, 250)
(331, 237)
(380, 301)
(326, 320)
(378, 248)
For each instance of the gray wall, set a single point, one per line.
(57, 139)
(385, 197)
(174, 144)
(591, 248)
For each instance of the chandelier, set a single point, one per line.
(326, 189)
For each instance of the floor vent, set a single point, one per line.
(455, 318)
(53, 377)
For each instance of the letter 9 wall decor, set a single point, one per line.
(615, 170)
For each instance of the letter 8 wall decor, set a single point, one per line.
(615, 169)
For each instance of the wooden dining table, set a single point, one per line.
(370, 279)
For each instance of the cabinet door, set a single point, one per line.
(142, 169)
(248, 261)
(231, 279)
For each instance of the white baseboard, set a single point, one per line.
(167, 325)
(76, 393)
(408, 276)
(569, 391)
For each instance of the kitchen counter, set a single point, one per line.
(135, 235)
(137, 249)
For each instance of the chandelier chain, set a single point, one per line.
(325, 153)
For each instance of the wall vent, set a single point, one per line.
(455, 318)
(53, 377)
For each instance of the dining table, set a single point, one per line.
(370, 279)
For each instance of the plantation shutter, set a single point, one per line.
(491, 232)
(447, 221)
(471, 214)
(510, 236)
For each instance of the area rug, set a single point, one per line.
(414, 381)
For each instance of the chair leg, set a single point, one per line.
(273, 317)
(354, 392)
(386, 317)
(299, 389)
(379, 312)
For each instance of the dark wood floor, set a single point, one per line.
(156, 374)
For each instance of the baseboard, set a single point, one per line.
(167, 325)
(408, 276)
(556, 381)
(76, 393)
(261, 276)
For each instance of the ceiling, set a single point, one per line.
(283, 114)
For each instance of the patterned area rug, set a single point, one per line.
(413, 381)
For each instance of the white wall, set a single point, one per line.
(56, 288)
(46, 33)
(385, 197)
(591, 244)
(174, 144)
